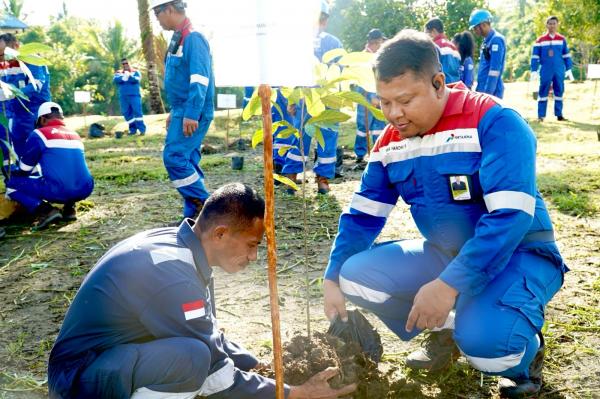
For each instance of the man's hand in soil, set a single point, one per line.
(189, 127)
(317, 387)
(335, 303)
(431, 305)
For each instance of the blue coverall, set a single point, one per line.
(190, 88)
(492, 57)
(375, 125)
(466, 72)
(279, 142)
(144, 322)
(7, 68)
(551, 55)
(326, 157)
(449, 58)
(25, 112)
(493, 242)
(65, 177)
(130, 99)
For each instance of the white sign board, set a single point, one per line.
(261, 41)
(593, 71)
(83, 97)
(226, 101)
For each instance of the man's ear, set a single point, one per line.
(219, 231)
(439, 82)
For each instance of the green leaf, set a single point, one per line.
(284, 148)
(328, 117)
(360, 99)
(286, 181)
(4, 121)
(253, 107)
(310, 130)
(10, 149)
(362, 76)
(34, 48)
(357, 58)
(284, 134)
(320, 139)
(333, 54)
(257, 137)
(33, 59)
(314, 105)
(278, 108)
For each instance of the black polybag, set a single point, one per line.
(358, 329)
(96, 130)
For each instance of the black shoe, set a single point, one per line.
(438, 352)
(360, 159)
(131, 134)
(540, 120)
(525, 387)
(561, 119)
(46, 215)
(69, 213)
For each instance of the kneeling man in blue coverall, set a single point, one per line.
(480, 277)
(143, 323)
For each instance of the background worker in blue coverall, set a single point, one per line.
(364, 118)
(465, 43)
(65, 177)
(144, 323)
(551, 61)
(34, 82)
(325, 166)
(492, 55)
(8, 67)
(190, 88)
(488, 251)
(449, 56)
(130, 97)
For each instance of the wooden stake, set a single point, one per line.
(264, 92)
(367, 132)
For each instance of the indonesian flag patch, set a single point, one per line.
(193, 310)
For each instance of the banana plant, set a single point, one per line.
(326, 104)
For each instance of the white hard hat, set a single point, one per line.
(325, 7)
(156, 3)
(46, 108)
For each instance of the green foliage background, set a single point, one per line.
(86, 53)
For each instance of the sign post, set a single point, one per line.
(593, 73)
(226, 101)
(84, 98)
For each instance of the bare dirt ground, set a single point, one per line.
(41, 271)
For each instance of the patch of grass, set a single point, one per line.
(15, 348)
(574, 192)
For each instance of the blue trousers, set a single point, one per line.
(279, 142)
(131, 108)
(181, 157)
(360, 142)
(326, 157)
(6, 158)
(169, 365)
(557, 80)
(496, 330)
(22, 126)
(30, 191)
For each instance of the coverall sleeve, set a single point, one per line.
(135, 77)
(566, 55)
(34, 149)
(536, 52)
(40, 76)
(242, 359)
(469, 70)
(197, 56)
(497, 50)
(507, 177)
(362, 222)
(164, 317)
(118, 78)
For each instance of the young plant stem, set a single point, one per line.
(264, 91)
(304, 206)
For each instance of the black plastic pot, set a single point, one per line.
(118, 135)
(237, 163)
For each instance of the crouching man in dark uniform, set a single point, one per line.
(143, 323)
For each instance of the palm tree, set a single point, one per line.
(14, 7)
(156, 104)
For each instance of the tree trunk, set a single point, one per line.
(156, 104)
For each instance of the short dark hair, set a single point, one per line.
(124, 60)
(552, 17)
(323, 17)
(236, 204)
(435, 23)
(8, 38)
(408, 51)
(465, 43)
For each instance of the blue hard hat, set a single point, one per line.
(479, 16)
(324, 7)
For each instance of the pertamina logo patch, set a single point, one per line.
(194, 310)
(458, 137)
